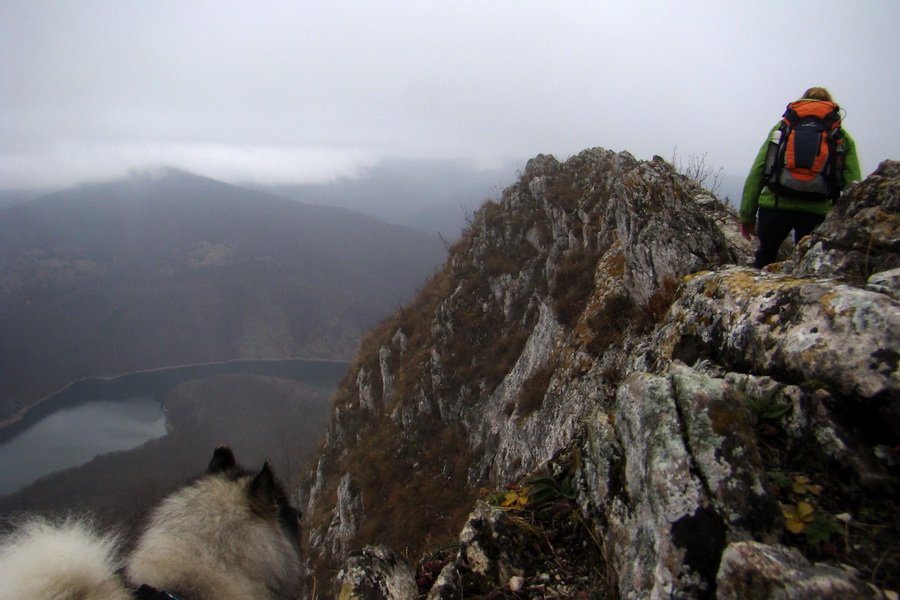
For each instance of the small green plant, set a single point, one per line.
(534, 492)
(779, 478)
(769, 406)
(445, 548)
(802, 486)
(546, 489)
(822, 528)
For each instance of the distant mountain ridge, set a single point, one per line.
(166, 268)
(430, 195)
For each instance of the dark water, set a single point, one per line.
(95, 416)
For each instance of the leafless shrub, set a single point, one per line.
(698, 170)
(573, 284)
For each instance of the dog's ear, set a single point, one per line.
(263, 487)
(222, 460)
(264, 492)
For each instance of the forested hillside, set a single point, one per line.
(168, 268)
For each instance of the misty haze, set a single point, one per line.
(163, 269)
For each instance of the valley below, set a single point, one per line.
(262, 416)
(193, 300)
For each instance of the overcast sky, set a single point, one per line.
(302, 91)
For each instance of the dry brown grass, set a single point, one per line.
(609, 322)
(658, 305)
(535, 390)
(413, 487)
(573, 284)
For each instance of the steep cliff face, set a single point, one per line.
(592, 326)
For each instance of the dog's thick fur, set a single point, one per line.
(231, 535)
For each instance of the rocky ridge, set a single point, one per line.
(715, 430)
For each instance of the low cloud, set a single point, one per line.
(307, 92)
(66, 163)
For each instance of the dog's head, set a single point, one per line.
(230, 534)
(266, 495)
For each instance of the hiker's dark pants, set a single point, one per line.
(774, 224)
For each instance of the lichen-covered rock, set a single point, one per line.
(800, 329)
(693, 482)
(860, 237)
(375, 573)
(520, 337)
(885, 282)
(345, 518)
(751, 571)
(719, 436)
(596, 313)
(494, 547)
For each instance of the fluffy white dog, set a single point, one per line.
(231, 535)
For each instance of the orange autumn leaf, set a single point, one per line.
(804, 486)
(516, 499)
(796, 518)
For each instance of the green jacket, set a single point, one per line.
(756, 193)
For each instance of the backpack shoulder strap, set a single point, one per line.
(790, 116)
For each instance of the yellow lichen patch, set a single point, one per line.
(711, 287)
(749, 283)
(881, 226)
(691, 276)
(746, 286)
(826, 302)
(833, 305)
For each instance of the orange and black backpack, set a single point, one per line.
(805, 159)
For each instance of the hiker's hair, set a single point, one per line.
(817, 93)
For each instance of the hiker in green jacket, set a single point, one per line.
(772, 216)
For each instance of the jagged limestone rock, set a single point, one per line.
(755, 570)
(511, 427)
(494, 547)
(860, 237)
(513, 348)
(375, 573)
(346, 516)
(691, 481)
(803, 329)
(552, 331)
(886, 282)
(722, 444)
(366, 395)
